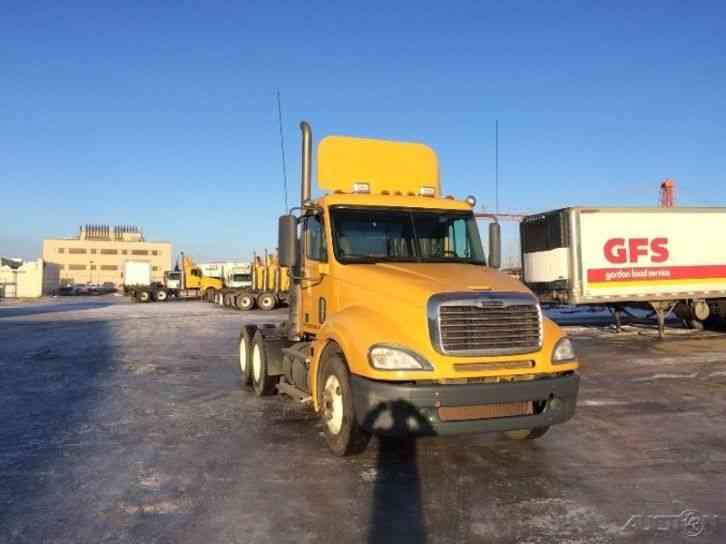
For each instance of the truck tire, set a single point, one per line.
(228, 300)
(161, 295)
(342, 431)
(220, 299)
(245, 356)
(266, 301)
(143, 296)
(526, 434)
(245, 302)
(210, 294)
(262, 383)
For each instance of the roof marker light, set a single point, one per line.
(361, 187)
(470, 200)
(426, 191)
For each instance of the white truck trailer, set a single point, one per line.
(670, 259)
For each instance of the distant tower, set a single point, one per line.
(667, 193)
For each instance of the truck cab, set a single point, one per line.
(398, 323)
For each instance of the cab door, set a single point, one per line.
(316, 286)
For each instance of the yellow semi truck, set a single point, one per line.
(264, 285)
(189, 282)
(397, 323)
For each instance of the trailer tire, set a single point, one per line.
(161, 295)
(245, 356)
(526, 434)
(266, 301)
(342, 432)
(245, 302)
(228, 300)
(262, 383)
(143, 296)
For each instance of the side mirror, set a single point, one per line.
(495, 245)
(287, 240)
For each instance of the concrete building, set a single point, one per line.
(98, 254)
(31, 279)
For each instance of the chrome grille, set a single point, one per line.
(485, 324)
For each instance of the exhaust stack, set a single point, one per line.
(307, 161)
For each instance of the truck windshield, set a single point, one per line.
(365, 235)
(174, 275)
(241, 277)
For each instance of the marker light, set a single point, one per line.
(361, 187)
(470, 200)
(426, 191)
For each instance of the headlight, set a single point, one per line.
(391, 358)
(563, 352)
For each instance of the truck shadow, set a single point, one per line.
(49, 394)
(52, 308)
(397, 512)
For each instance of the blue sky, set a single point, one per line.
(163, 114)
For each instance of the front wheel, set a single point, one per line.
(342, 431)
(526, 434)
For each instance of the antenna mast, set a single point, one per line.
(282, 150)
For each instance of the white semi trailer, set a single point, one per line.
(670, 259)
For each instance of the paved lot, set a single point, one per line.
(124, 422)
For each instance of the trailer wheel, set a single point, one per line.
(262, 383)
(266, 301)
(245, 352)
(342, 431)
(209, 294)
(161, 295)
(143, 296)
(228, 300)
(245, 302)
(526, 434)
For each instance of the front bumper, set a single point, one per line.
(389, 408)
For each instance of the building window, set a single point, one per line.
(61, 250)
(76, 267)
(93, 267)
(154, 252)
(123, 252)
(109, 252)
(155, 268)
(139, 252)
(77, 250)
(109, 267)
(93, 252)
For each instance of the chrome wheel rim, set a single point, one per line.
(333, 404)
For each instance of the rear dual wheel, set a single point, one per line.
(266, 301)
(143, 296)
(262, 383)
(161, 296)
(245, 302)
(245, 351)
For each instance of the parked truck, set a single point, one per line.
(397, 322)
(263, 284)
(187, 282)
(667, 259)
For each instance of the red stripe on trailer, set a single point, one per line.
(655, 273)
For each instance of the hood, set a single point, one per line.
(416, 282)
